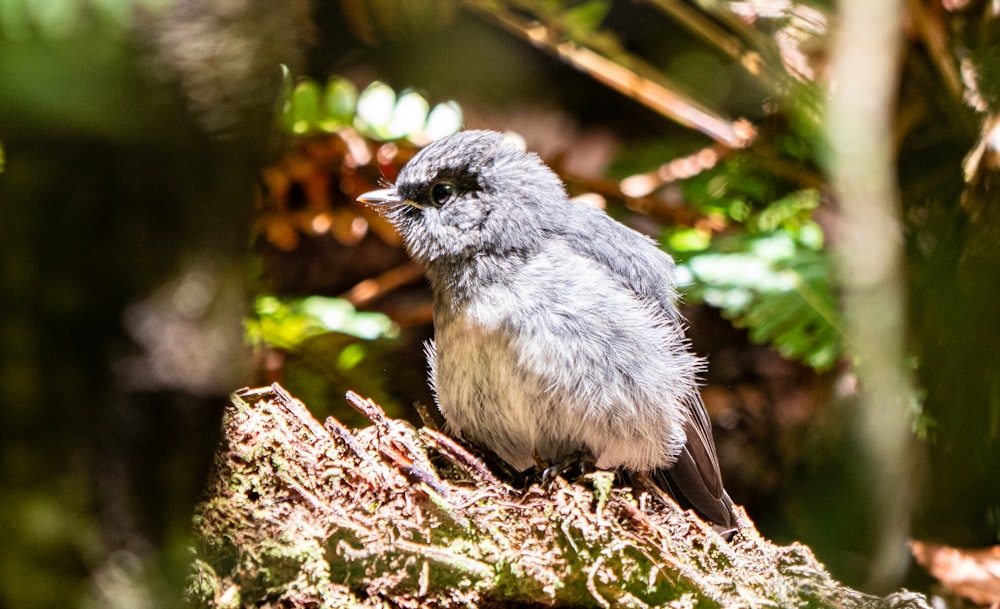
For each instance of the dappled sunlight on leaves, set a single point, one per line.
(776, 288)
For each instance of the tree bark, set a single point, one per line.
(300, 514)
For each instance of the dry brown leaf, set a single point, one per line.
(973, 574)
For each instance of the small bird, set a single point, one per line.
(556, 329)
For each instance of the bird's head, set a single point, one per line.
(470, 194)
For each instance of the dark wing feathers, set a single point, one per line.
(694, 479)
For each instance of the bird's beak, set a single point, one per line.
(386, 196)
(380, 197)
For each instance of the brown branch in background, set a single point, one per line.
(375, 287)
(640, 185)
(626, 74)
(669, 213)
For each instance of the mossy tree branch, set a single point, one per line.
(300, 514)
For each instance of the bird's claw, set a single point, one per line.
(570, 467)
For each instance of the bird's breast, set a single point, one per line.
(557, 358)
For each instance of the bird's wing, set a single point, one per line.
(650, 276)
(695, 478)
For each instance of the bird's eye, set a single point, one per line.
(442, 192)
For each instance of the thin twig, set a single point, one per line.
(425, 416)
(466, 461)
(338, 431)
(935, 37)
(445, 507)
(299, 411)
(413, 471)
(592, 587)
(371, 411)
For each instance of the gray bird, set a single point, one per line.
(556, 329)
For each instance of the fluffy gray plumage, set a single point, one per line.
(556, 328)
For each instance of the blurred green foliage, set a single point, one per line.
(769, 270)
(582, 19)
(287, 323)
(328, 346)
(774, 285)
(377, 112)
(54, 19)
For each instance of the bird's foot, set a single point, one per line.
(570, 467)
